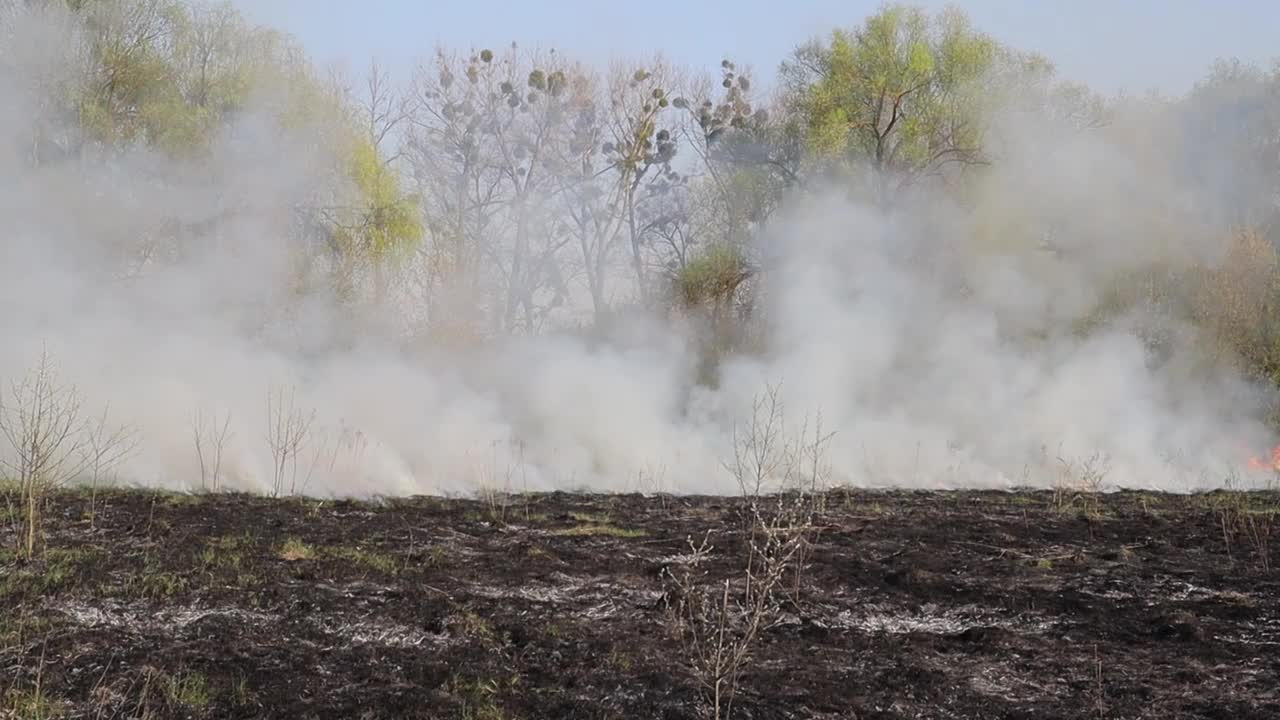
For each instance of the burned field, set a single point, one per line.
(909, 605)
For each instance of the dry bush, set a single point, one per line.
(1081, 482)
(719, 624)
(1250, 528)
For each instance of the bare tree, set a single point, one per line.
(211, 439)
(287, 433)
(463, 192)
(747, 154)
(641, 148)
(43, 424)
(487, 146)
(590, 195)
(383, 110)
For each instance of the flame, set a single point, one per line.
(1256, 463)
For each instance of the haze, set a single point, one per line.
(525, 270)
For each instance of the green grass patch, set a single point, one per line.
(241, 694)
(56, 570)
(600, 530)
(229, 552)
(189, 690)
(158, 585)
(369, 559)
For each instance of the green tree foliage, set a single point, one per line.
(902, 92)
(171, 75)
(131, 94)
(378, 233)
(511, 182)
(711, 289)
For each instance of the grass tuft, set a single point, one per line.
(294, 549)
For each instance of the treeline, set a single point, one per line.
(509, 190)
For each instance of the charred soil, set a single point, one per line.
(910, 605)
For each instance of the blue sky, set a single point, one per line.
(1122, 44)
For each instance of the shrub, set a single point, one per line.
(1237, 303)
(712, 279)
(711, 289)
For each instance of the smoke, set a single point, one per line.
(934, 340)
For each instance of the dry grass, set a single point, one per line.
(293, 550)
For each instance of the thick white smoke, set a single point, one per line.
(910, 337)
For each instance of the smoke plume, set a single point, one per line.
(935, 341)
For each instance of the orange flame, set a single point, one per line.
(1256, 463)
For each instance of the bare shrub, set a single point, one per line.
(106, 446)
(324, 454)
(288, 429)
(1081, 482)
(41, 420)
(352, 444)
(211, 438)
(653, 479)
(719, 624)
(496, 485)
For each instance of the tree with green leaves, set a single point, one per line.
(172, 75)
(903, 94)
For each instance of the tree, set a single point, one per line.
(590, 196)
(483, 146)
(217, 57)
(748, 156)
(379, 229)
(902, 93)
(460, 190)
(132, 92)
(640, 149)
(44, 64)
(1230, 126)
(382, 112)
(41, 419)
